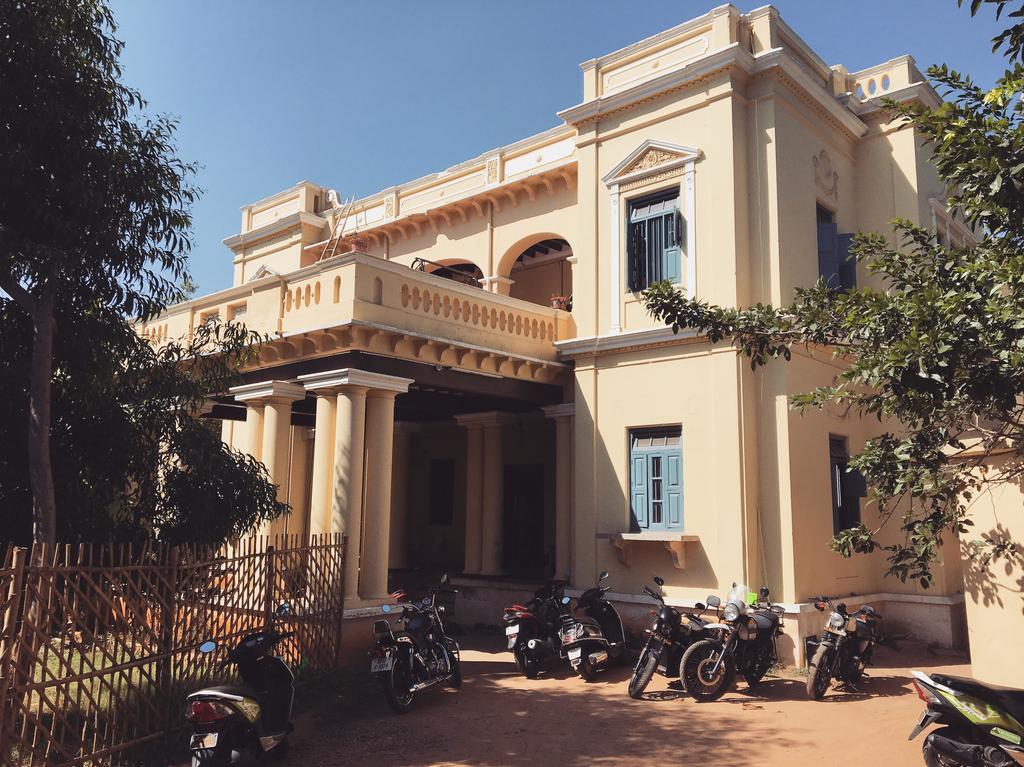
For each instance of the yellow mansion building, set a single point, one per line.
(461, 374)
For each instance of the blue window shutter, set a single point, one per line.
(828, 254)
(847, 263)
(637, 265)
(670, 255)
(673, 490)
(638, 482)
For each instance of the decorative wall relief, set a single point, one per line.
(824, 175)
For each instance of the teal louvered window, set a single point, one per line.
(654, 237)
(656, 479)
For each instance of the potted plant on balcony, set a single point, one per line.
(560, 302)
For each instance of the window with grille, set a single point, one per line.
(654, 237)
(656, 479)
(848, 486)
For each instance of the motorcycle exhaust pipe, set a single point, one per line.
(599, 657)
(424, 685)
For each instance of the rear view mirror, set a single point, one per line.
(566, 600)
(700, 607)
(659, 581)
(602, 576)
(764, 594)
(385, 608)
(207, 647)
(714, 601)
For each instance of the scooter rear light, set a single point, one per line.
(925, 694)
(206, 711)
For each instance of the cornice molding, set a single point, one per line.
(630, 339)
(492, 418)
(335, 379)
(267, 391)
(238, 241)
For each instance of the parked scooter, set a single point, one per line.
(596, 639)
(844, 648)
(235, 723)
(982, 722)
(418, 656)
(532, 629)
(744, 641)
(668, 637)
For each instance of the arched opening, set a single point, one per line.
(541, 272)
(458, 271)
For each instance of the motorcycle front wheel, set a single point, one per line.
(643, 673)
(758, 669)
(397, 686)
(702, 675)
(819, 675)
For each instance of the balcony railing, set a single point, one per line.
(358, 289)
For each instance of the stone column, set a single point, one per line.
(492, 497)
(380, 440)
(562, 416)
(398, 552)
(347, 496)
(323, 463)
(474, 486)
(271, 403)
(343, 484)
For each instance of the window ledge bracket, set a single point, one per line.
(674, 543)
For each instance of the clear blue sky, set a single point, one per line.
(362, 96)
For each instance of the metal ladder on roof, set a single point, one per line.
(331, 246)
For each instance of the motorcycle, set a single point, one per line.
(668, 638)
(844, 648)
(744, 640)
(418, 656)
(235, 723)
(596, 639)
(532, 629)
(982, 722)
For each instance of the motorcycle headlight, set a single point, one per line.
(836, 621)
(731, 612)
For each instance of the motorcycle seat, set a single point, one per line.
(225, 690)
(1008, 698)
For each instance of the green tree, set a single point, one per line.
(941, 350)
(95, 229)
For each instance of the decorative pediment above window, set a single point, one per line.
(651, 158)
(263, 271)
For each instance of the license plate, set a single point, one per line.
(511, 631)
(203, 740)
(381, 664)
(575, 653)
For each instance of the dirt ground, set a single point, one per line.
(501, 718)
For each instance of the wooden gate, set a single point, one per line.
(99, 644)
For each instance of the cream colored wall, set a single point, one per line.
(537, 284)
(697, 388)
(435, 545)
(995, 594)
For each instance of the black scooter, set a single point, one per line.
(532, 629)
(594, 640)
(667, 639)
(234, 723)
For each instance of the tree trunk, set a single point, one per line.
(40, 467)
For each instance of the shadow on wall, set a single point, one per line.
(987, 579)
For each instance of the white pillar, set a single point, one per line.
(380, 440)
(323, 463)
(562, 416)
(346, 483)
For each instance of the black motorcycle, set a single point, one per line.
(236, 723)
(667, 639)
(844, 648)
(744, 640)
(532, 629)
(418, 656)
(981, 722)
(594, 640)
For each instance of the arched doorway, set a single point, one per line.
(541, 272)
